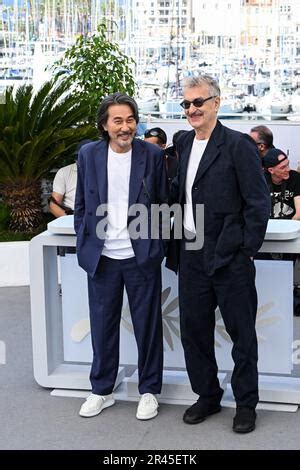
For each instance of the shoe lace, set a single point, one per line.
(148, 398)
(94, 397)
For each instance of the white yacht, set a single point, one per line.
(148, 98)
(273, 105)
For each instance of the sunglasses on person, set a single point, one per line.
(152, 134)
(197, 102)
(159, 134)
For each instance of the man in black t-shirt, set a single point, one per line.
(284, 185)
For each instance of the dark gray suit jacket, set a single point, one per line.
(230, 184)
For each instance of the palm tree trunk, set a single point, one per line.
(24, 203)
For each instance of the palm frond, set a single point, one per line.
(36, 130)
(37, 107)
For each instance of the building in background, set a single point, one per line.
(251, 46)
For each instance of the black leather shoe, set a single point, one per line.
(199, 411)
(244, 420)
(297, 310)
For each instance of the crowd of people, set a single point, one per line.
(238, 180)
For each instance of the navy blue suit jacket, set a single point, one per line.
(148, 185)
(231, 185)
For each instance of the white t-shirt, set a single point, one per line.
(193, 164)
(65, 182)
(117, 243)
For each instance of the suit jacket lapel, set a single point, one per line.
(211, 151)
(184, 159)
(138, 164)
(100, 158)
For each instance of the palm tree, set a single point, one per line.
(36, 130)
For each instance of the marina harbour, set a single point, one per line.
(256, 58)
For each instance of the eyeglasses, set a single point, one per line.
(197, 102)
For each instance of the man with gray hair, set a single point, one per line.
(115, 174)
(263, 137)
(220, 169)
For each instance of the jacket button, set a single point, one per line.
(92, 191)
(194, 188)
(90, 213)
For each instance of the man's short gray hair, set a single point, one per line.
(199, 80)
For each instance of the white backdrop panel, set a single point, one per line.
(274, 323)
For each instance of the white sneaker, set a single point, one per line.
(94, 404)
(147, 407)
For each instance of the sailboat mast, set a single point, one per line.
(179, 6)
(273, 44)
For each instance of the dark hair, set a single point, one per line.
(156, 132)
(110, 100)
(264, 134)
(172, 149)
(177, 135)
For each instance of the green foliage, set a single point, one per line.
(95, 67)
(7, 235)
(36, 130)
(4, 216)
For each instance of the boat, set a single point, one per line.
(147, 98)
(170, 108)
(14, 77)
(295, 101)
(230, 106)
(295, 105)
(273, 105)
